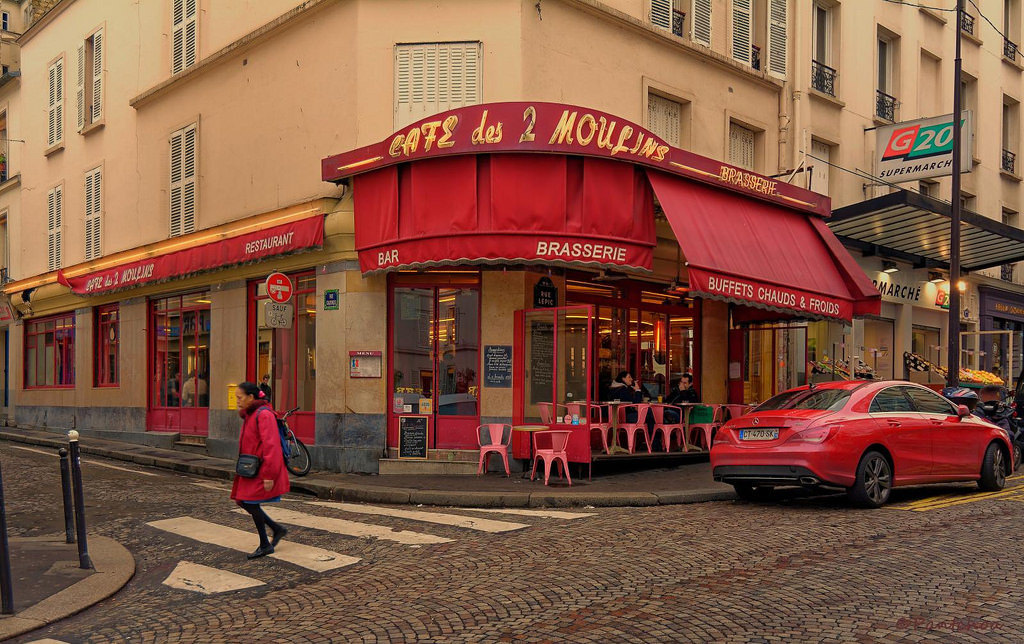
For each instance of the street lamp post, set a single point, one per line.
(953, 362)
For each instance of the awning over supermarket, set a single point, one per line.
(912, 227)
(757, 253)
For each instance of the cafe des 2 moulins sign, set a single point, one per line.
(558, 129)
(922, 148)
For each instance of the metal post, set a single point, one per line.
(953, 370)
(76, 478)
(6, 593)
(65, 484)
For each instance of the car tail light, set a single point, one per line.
(721, 436)
(815, 435)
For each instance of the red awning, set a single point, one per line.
(761, 254)
(276, 240)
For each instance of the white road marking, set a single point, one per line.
(89, 461)
(547, 514)
(351, 528)
(206, 580)
(308, 557)
(213, 486)
(471, 523)
(48, 641)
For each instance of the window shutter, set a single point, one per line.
(663, 117)
(435, 77)
(80, 88)
(741, 146)
(176, 184)
(190, 33)
(59, 107)
(741, 30)
(700, 25)
(55, 104)
(661, 13)
(820, 172)
(777, 37)
(188, 203)
(183, 35)
(97, 76)
(54, 206)
(93, 213)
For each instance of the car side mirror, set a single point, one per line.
(962, 411)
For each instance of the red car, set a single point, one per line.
(866, 437)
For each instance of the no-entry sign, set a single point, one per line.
(279, 287)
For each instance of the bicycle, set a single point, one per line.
(298, 461)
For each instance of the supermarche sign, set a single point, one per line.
(922, 148)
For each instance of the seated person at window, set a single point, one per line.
(681, 391)
(194, 390)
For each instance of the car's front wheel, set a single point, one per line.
(993, 469)
(874, 481)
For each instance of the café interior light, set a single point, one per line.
(889, 267)
(935, 277)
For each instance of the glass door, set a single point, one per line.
(179, 398)
(435, 358)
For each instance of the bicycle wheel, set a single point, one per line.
(298, 463)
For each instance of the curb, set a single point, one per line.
(355, 493)
(113, 567)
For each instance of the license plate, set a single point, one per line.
(758, 434)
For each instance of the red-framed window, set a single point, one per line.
(107, 343)
(50, 352)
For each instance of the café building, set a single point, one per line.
(531, 251)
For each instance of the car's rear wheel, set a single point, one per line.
(993, 469)
(874, 481)
(749, 492)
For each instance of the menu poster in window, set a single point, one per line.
(542, 361)
(498, 366)
(413, 435)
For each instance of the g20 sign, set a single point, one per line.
(921, 149)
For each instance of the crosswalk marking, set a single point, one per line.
(352, 528)
(213, 486)
(546, 514)
(88, 461)
(471, 523)
(315, 559)
(206, 580)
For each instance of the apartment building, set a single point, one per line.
(177, 152)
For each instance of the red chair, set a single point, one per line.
(668, 429)
(735, 411)
(706, 431)
(497, 437)
(633, 428)
(556, 453)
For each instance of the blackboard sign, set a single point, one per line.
(497, 366)
(545, 294)
(542, 361)
(413, 432)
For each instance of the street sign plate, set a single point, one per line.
(278, 316)
(279, 287)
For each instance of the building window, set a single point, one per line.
(4, 148)
(823, 75)
(106, 368)
(5, 21)
(435, 77)
(700, 25)
(1011, 28)
(664, 118)
(821, 158)
(183, 181)
(50, 352)
(741, 146)
(93, 212)
(54, 227)
(5, 255)
(89, 90)
(967, 202)
(928, 188)
(669, 15)
(183, 35)
(55, 104)
(742, 24)
(180, 351)
(1011, 134)
(885, 102)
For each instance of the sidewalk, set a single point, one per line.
(48, 585)
(690, 483)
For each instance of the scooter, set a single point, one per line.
(1005, 416)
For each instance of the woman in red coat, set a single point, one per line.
(260, 437)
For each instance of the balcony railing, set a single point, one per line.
(1009, 161)
(885, 106)
(967, 23)
(755, 57)
(1009, 49)
(823, 78)
(1006, 272)
(678, 20)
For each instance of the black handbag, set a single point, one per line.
(248, 465)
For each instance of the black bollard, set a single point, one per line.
(65, 484)
(76, 478)
(6, 593)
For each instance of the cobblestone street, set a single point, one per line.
(938, 564)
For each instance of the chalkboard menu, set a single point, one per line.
(497, 366)
(413, 432)
(542, 361)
